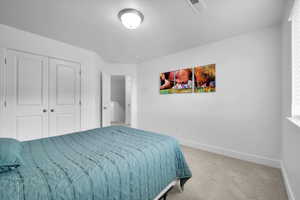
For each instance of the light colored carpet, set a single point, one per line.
(216, 177)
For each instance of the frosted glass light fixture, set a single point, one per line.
(131, 18)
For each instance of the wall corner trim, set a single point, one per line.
(287, 184)
(231, 153)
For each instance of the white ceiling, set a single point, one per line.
(169, 25)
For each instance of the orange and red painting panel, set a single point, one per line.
(205, 78)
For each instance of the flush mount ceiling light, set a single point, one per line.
(131, 18)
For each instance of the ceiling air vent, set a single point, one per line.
(194, 1)
(197, 5)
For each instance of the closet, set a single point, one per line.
(42, 96)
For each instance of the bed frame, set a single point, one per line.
(163, 194)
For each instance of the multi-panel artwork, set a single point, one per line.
(199, 79)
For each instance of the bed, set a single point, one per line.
(112, 163)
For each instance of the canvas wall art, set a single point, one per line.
(205, 78)
(167, 82)
(183, 81)
(200, 79)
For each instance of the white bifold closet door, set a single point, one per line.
(64, 97)
(43, 96)
(26, 96)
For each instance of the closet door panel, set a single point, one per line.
(27, 95)
(64, 101)
(29, 127)
(30, 81)
(66, 85)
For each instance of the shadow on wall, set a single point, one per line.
(118, 98)
(117, 112)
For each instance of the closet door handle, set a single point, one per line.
(44, 110)
(52, 110)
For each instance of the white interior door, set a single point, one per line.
(128, 93)
(26, 96)
(2, 91)
(64, 93)
(106, 100)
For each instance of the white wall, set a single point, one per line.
(118, 98)
(91, 63)
(290, 131)
(242, 118)
(131, 71)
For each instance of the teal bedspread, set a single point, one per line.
(113, 163)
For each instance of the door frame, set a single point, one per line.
(3, 89)
(128, 104)
(4, 81)
(100, 100)
(108, 107)
(131, 107)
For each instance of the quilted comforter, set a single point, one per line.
(113, 163)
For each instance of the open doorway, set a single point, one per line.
(120, 100)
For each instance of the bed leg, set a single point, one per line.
(179, 186)
(164, 197)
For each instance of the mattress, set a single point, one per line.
(112, 163)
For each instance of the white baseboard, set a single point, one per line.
(230, 153)
(287, 184)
